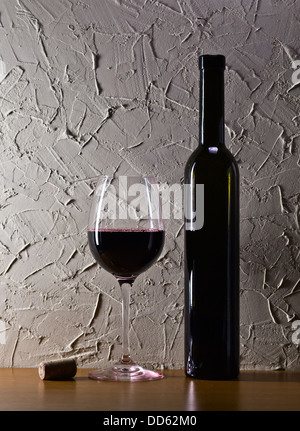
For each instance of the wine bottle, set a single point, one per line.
(211, 238)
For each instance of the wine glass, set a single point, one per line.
(126, 236)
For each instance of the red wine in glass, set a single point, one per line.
(126, 253)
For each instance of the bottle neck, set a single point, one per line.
(211, 107)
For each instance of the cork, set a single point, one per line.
(61, 369)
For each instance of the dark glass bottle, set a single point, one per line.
(212, 239)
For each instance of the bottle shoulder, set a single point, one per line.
(211, 155)
(211, 159)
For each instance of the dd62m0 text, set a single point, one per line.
(171, 420)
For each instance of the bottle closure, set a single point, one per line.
(212, 62)
(211, 112)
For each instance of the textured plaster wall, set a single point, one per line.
(103, 86)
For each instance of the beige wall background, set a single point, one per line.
(94, 87)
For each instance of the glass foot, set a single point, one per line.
(121, 372)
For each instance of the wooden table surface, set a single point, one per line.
(23, 390)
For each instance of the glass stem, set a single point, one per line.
(125, 286)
